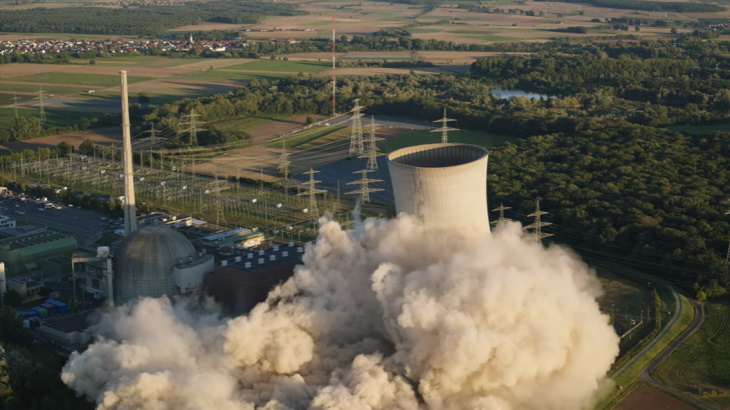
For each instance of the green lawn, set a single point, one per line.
(245, 123)
(415, 137)
(53, 118)
(266, 66)
(98, 80)
(703, 361)
(32, 88)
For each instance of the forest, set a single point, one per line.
(145, 20)
(597, 152)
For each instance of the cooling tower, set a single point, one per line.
(441, 183)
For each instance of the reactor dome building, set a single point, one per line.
(441, 183)
(157, 260)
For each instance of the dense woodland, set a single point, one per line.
(596, 152)
(143, 20)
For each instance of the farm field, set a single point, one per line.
(53, 118)
(648, 398)
(99, 136)
(701, 366)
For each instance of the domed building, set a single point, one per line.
(157, 260)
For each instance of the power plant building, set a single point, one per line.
(441, 183)
(30, 252)
(157, 260)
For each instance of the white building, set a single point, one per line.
(6, 222)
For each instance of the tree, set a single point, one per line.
(87, 147)
(64, 148)
(143, 98)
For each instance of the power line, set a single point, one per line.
(444, 130)
(15, 103)
(41, 105)
(364, 190)
(192, 120)
(501, 208)
(356, 143)
(538, 224)
(372, 151)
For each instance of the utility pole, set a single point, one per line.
(356, 143)
(15, 103)
(364, 182)
(444, 130)
(372, 151)
(501, 208)
(284, 164)
(311, 191)
(41, 105)
(538, 224)
(192, 121)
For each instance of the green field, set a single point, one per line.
(33, 88)
(622, 297)
(702, 364)
(235, 76)
(245, 123)
(301, 138)
(53, 118)
(266, 66)
(415, 137)
(98, 80)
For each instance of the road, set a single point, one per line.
(645, 374)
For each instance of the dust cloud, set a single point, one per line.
(390, 315)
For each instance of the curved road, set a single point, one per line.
(645, 374)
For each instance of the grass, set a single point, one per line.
(621, 296)
(53, 118)
(700, 129)
(32, 88)
(703, 361)
(245, 123)
(107, 239)
(415, 137)
(303, 137)
(282, 66)
(629, 379)
(98, 80)
(234, 76)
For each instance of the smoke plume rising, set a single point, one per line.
(391, 315)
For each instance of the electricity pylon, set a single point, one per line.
(284, 166)
(311, 191)
(15, 103)
(538, 224)
(444, 130)
(192, 121)
(364, 190)
(372, 151)
(356, 143)
(41, 105)
(501, 208)
(151, 131)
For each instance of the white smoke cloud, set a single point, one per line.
(391, 315)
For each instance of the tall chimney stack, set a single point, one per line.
(130, 213)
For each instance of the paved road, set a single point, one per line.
(646, 376)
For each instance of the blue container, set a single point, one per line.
(42, 313)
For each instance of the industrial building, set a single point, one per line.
(29, 252)
(6, 222)
(441, 183)
(234, 238)
(28, 289)
(244, 279)
(157, 260)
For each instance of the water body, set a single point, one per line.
(507, 94)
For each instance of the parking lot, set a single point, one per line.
(85, 225)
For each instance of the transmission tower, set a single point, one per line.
(501, 208)
(41, 105)
(311, 191)
(356, 143)
(444, 130)
(538, 224)
(364, 182)
(372, 151)
(284, 163)
(192, 121)
(219, 216)
(15, 103)
(151, 131)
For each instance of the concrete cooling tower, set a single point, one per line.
(441, 183)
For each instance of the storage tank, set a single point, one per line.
(441, 183)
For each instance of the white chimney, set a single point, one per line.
(130, 213)
(441, 183)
